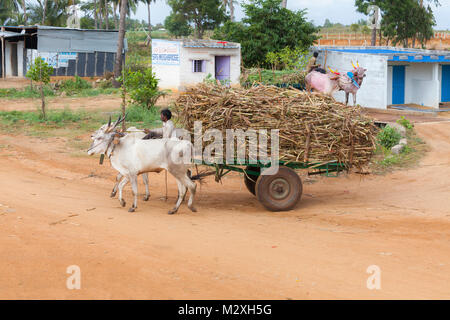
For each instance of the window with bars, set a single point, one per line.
(198, 65)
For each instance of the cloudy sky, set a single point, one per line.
(342, 11)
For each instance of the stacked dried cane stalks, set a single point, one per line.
(312, 128)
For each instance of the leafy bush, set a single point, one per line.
(405, 122)
(137, 114)
(267, 27)
(388, 137)
(142, 86)
(40, 71)
(72, 86)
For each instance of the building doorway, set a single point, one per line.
(14, 68)
(445, 90)
(398, 84)
(222, 67)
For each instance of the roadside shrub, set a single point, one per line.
(405, 122)
(137, 114)
(388, 137)
(142, 87)
(72, 86)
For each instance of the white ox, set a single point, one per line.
(139, 134)
(132, 156)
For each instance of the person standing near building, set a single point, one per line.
(312, 64)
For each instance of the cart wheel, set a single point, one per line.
(280, 191)
(250, 179)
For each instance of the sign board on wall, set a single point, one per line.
(165, 52)
(64, 57)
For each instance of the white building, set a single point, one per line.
(394, 76)
(81, 52)
(179, 63)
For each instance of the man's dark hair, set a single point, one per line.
(166, 113)
(316, 54)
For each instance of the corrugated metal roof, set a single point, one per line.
(8, 34)
(197, 43)
(76, 40)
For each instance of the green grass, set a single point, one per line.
(384, 161)
(69, 123)
(26, 92)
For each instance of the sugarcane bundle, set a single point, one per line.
(312, 128)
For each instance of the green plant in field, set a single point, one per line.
(72, 86)
(138, 115)
(40, 72)
(388, 137)
(142, 87)
(405, 122)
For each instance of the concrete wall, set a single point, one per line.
(169, 76)
(188, 55)
(373, 92)
(422, 85)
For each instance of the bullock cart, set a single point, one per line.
(276, 190)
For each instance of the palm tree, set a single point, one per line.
(7, 7)
(24, 8)
(118, 62)
(149, 37)
(52, 13)
(230, 4)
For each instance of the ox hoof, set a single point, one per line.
(113, 194)
(193, 209)
(132, 209)
(123, 203)
(146, 198)
(173, 211)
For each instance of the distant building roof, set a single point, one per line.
(9, 34)
(200, 43)
(396, 54)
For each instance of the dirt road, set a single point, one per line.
(55, 212)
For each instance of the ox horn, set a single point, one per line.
(109, 122)
(357, 63)
(353, 65)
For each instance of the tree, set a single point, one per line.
(393, 6)
(50, 13)
(203, 14)
(268, 28)
(406, 19)
(149, 38)
(120, 44)
(177, 25)
(230, 4)
(40, 72)
(355, 27)
(7, 8)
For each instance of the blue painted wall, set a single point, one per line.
(445, 96)
(398, 84)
